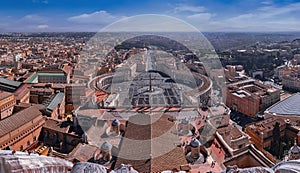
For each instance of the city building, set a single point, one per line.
(55, 106)
(261, 132)
(7, 103)
(22, 94)
(285, 114)
(289, 75)
(231, 146)
(291, 83)
(62, 136)
(250, 96)
(75, 94)
(54, 76)
(39, 95)
(288, 110)
(9, 85)
(22, 129)
(235, 140)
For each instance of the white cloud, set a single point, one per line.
(98, 17)
(188, 8)
(242, 18)
(33, 18)
(200, 17)
(266, 18)
(269, 11)
(42, 26)
(267, 2)
(29, 22)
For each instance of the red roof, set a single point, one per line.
(154, 149)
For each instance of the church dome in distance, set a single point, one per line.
(115, 123)
(195, 143)
(106, 146)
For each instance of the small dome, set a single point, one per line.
(115, 123)
(199, 159)
(106, 146)
(195, 143)
(295, 149)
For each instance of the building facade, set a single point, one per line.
(250, 96)
(291, 83)
(7, 102)
(261, 132)
(20, 130)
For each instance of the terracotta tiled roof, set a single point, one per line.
(150, 147)
(83, 152)
(235, 133)
(4, 95)
(18, 119)
(22, 91)
(266, 125)
(50, 90)
(169, 161)
(56, 126)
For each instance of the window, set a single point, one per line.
(28, 143)
(21, 148)
(34, 139)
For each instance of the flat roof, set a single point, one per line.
(57, 125)
(14, 84)
(50, 74)
(288, 106)
(37, 74)
(31, 79)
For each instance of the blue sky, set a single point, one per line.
(92, 15)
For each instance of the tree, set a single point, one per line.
(276, 140)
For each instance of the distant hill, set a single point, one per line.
(238, 40)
